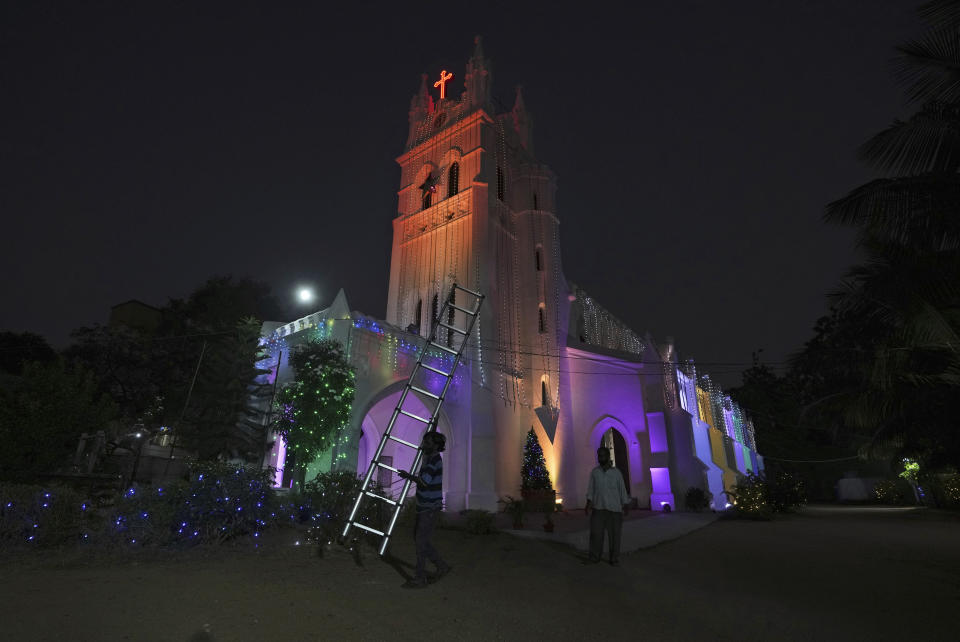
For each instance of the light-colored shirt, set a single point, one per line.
(606, 490)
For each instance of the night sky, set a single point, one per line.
(143, 150)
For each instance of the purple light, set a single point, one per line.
(660, 481)
(281, 447)
(658, 432)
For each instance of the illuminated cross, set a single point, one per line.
(444, 77)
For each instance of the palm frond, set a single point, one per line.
(929, 67)
(919, 211)
(941, 13)
(928, 142)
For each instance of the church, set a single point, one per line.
(477, 208)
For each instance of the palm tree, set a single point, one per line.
(909, 228)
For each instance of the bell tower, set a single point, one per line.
(477, 208)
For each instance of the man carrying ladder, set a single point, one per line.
(429, 480)
(429, 503)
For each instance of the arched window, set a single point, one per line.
(499, 183)
(542, 322)
(450, 317)
(426, 201)
(453, 180)
(535, 201)
(544, 395)
(433, 313)
(538, 260)
(418, 315)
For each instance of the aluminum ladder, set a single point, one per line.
(456, 341)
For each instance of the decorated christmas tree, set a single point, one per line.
(534, 472)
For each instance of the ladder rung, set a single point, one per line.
(413, 416)
(444, 348)
(425, 392)
(382, 465)
(476, 294)
(457, 307)
(402, 441)
(432, 369)
(367, 528)
(380, 497)
(450, 327)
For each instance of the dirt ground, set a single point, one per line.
(824, 574)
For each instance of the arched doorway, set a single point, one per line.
(613, 440)
(396, 454)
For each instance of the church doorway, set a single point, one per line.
(613, 440)
(395, 454)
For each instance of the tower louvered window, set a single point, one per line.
(499, 183)
(418, 315)
(542, 323)
(544, 396)
(538, 260)
(433, 312)
(453, 180)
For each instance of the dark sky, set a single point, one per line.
(143, 150)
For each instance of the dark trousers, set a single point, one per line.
(422, 536)
(610, 521)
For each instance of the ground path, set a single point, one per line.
(823, 574)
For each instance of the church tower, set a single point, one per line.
(477, 208)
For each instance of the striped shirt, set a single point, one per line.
(430, 495)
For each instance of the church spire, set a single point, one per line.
(420, 106)
(521, 121)
(477, 79)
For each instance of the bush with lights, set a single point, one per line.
(328, 499)
(759, 497)
(891, 491)
(219, 502)
(315, 408)
(41, 517)
(785, 492)
(749, 498)
(949, 486)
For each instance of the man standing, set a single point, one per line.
(607, 496)
(429, 502)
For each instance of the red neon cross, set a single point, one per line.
(444, 77)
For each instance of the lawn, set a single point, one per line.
(822, 574)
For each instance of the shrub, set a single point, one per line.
(220, 502)
(697, 499)
(37, 516)
(329, 497)
(888, 491)
(785, 492)
(478, 522)
(749, 497)
(950, 486)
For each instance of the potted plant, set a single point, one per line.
(516, 509)
(548, 511)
